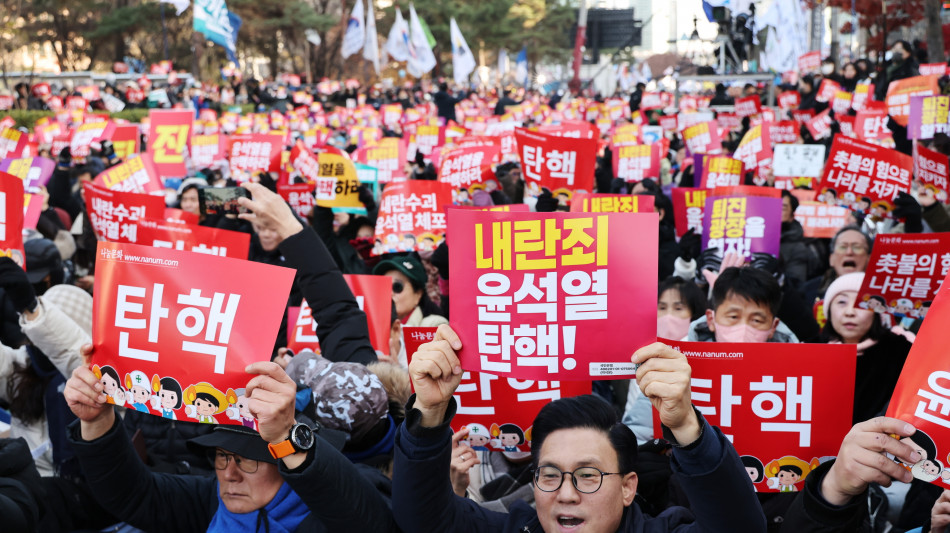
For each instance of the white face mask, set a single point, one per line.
(827, 69)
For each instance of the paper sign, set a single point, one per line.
(904, 274)
(410, 216)
(173, 331)
(299, 196)
(169, 131)
(827, 90)
(922, 396)
(928, 116)
(703, 138)
(819, 126)
(720, 171)
(193, 238)
(559, 164)
(549, 291)
(611, 203)
(784, 132)
(809, 62)
(862, 94)
(856, 169)
(636, 162)
(798, 160)
(742, 225)
(34, 171)
(821, 221)
(337, 184)
(137, 175)
(689, 206)
(85, 134)
(256, 152)
(113, 214)
(930, 167)
(125, 140)
(900, 92)
(871, 123)
(11, 218)
(388, 155)
(748, 106)
(207, 149)
(789, 100)
(463, 168)
(768, 399)
(841, 103)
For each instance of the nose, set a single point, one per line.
(231, 472)
(568, 493)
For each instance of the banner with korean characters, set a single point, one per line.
(633, 163)
(84, 134)
(702, 138)
(410, 216)
(742, 225)
(755, 148)
(784, 132)
(612, 203)
(253, 153)
(193, 238)
(929, 115)
(337, 184)
(113, 214)
(748, 106)
(788, 100)
(173, 330)
(388, 155)
(870, 124)
(465, 170)
(206, 150)
(11, 218)
(497, 411)
(903, 275)
(424, 138)
(930, 169)
(856, 169)
(34, 171)
(922, 396)
(771, 402)
(169, 131)
(125, 140)
(558, 164)
(720, 171)
(863, 94)
(821, 221)
(135, 175)
(809, 62)
(550, 291)
(901, 92)
(819, 126)
(299, 196)
(374, 295)
(791, 161)
(689, 205)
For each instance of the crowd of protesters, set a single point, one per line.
(390, 462)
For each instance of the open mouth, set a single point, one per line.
(569, 521)
(849, 264)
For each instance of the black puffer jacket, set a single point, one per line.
(165, 442)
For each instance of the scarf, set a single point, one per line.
(283, 514)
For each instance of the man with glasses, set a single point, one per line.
(850, 252)
(584, 458)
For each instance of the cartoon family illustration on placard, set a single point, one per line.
(784, 474)
(509, 438)
(164, 396)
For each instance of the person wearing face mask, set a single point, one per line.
(902, 65)
(829, 70)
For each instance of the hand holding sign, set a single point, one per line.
(271, 396)
(269, 210)
(86, 399)
(663, 376)
(436, 373)
(940, 514)
(463, 459)
(862, 460)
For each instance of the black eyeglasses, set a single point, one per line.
(586, 479)
(398, 286)
(221, 459)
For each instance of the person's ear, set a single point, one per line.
(660, 211)
(710, 320)
(629, 488)
(775, 322)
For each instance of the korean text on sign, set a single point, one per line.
(903, 273)
(855, 169)
(410, 216)
(742, 225)
(543, 293)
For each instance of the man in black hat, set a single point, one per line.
(288, 477)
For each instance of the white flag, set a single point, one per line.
(355, 34)
(463, 62)
(313, 37)
(397, 45)
(180, 5)
(371, 49)
(421, 58)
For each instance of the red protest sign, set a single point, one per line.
(410, 216)
(549, 291)
(11, 218)
(904, 272)
(819, 126)
(856, 169)
(933, 69)
(299, 196)
(702, 138)
(256, 152)
(755, 148)
(771, 402)
(373, 294)
(720, 171)
(206, 149)
(688, 208)
(862, 94)
(388, 156)
(748, 106)
(809, 62)
(789, 100)
(634, 163)
(86, 133)
(125, 140)
(802, 116)
(729, 121)
(930, 167)
(922, 396)
(559, 164)
(137, 174)
(871, 123)
(168, 321)
(841, 103)
(497, 411)
(900, 92)
(423, 138)
(113, 214)
(611, 203)
(462, 168)
(576, 129)
(784, 132)
(827, 90)
(193, 238)
(168, 133)
(821, 221)
(656, 100)
(178, 216)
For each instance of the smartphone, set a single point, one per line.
(221, 200)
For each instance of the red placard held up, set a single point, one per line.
(634, 163)
(11, 219)
(856, 169)
(789, 100)
(125, 140)
(821, 221)
(900, 92)
(784, 132)
(819, 126)
(85, 134)
(169, 131)
(388, 156)
(703, 138)
(689, 205)
(410, 216)
(930, 167)
(774, 402)
(748, 106)
(559, 164)
(137, 175)
(299, 196)
(827, 90)
(113, 214)
(256, 152)
(462, 169)
(809, 62)
(720, 171)
(497, 411)
(871, 122)
(547, 290)
(611, 203)
(186, 323)
(193, 238)
(206, 149)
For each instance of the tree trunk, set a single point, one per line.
(934, 31)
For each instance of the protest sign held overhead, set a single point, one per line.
(464, 168)
(551, 290)
(388, 155)
(410, 216)
(257, 152)
(183, 323)
(168, 135)
(928, 116)
(635, 162)
(720, 171)
(11, 218)
(931, 169)
(113, 214)
(821, 221)
(689, 206)
(34, 171)
(798, 160)
(703, 138)
(856, 169)
(192, 238)
(611, 203)
(136, 175)
(558, 164)
(742, 225)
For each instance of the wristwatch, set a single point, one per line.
(300, 440)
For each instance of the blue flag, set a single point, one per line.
(212, 18)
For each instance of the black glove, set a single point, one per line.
(366, 197)
(907, 208)
(440, 259)
(14, 282)
(547, 203)
(766, 262)
(618, 186)
(690, 245)
(108, 150)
